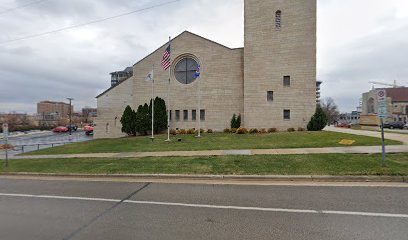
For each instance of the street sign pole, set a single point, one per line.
(382, 113)
(383, 142)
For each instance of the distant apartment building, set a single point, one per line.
(60, 109)
(88, 111)
(318, 83)
(350, 118)
(117, 77)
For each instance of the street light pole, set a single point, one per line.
(70, 115)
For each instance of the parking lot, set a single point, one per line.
(44, 139)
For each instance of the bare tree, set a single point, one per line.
(331, 109)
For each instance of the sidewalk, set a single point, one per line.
(355, 150)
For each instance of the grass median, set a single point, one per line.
(311, 164)
(216, 141)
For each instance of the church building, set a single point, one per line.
(271, 82)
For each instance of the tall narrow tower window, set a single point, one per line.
(278, 19)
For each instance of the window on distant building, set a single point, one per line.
(194, 115)
(370, 106)
(286, 114)
(170, 113)
(269, 96)
(286, 81)
(202, 115)
(185, 115)
(278, 19)
(177, 115)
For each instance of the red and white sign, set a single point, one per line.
(381, 95)
(382, 103)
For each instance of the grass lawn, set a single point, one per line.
(311, 164)
(216, 141)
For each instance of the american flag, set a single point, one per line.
(166, 62)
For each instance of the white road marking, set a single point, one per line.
(263, 209)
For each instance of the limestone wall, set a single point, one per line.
(110, 109)
(270, 54)
(221, 82)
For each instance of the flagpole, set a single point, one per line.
(199, 102)
(153, 102)
(199, 107)
(168, 97)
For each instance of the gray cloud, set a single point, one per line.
(356, 44)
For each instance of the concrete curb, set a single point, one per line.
(249, 178)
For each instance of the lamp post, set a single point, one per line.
(70, 115)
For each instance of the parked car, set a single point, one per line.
(392, 125)
(406, 126)
(343, 125)
(89, 130)
(73, 127)
(60, 129)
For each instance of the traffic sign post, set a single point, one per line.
(382, 113)
(5, 133)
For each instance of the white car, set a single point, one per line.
(406, 126)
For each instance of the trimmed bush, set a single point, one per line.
(242, 130)
(128, 121)
(191, 131)
(272, 130)
(318, 121)
(182, 131)
(253, 131)
(227, 130)
(173, 132)
(236, 121)
(233, 130)
(291, 130)
(209, 131)
(263, 131)
(300, 129)
(201, 131)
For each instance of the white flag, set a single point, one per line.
(150, 76)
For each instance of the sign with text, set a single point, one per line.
(382, 103)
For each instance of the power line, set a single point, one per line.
(22, 6)
(88, 23)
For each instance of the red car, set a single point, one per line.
(60, 129)
(89, 130)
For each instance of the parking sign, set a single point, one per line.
(382, 103)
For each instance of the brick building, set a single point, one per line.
(271, 82)
(54, 108)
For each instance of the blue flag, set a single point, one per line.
(197, 73)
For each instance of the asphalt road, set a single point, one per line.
(34, 209)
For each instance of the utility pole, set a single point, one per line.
(70, 115)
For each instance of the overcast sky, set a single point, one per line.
(358, 41)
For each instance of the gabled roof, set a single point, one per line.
(185, 32)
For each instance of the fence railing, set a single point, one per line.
(37, 146)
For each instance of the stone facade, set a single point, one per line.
(272, 53)
(110, 109)
(232, 81)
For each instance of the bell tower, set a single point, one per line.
(279, 63)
